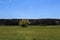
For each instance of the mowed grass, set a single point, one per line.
(30, 33)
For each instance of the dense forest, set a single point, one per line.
(32, 21)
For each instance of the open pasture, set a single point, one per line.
(30, 33)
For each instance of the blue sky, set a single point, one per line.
(29, 9)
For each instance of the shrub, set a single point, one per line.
(24, 22)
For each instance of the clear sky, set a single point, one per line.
(29, 9)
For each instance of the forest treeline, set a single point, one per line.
(32, 21)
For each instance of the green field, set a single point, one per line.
(30, 33)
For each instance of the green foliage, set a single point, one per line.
(24, 22)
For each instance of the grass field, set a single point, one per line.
(30, 33)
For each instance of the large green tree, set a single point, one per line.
(24, 22)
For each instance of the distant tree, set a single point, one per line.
(57, 22)
(24, 22)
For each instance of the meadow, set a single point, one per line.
(30, 33)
